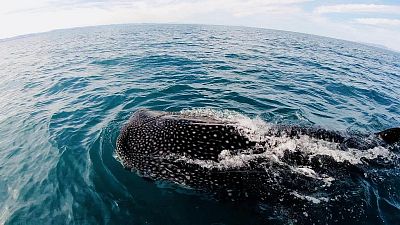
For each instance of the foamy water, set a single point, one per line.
(257, 130)
(274, 147)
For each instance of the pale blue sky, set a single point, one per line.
(369, 21)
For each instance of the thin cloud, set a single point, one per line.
(378, 21)
(44, 15)
(358, 8)
(239, 7)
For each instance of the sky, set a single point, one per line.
(366, 21)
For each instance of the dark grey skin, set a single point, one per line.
(154, 143)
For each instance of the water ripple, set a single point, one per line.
(65, 94)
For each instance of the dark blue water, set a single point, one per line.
(64, 96)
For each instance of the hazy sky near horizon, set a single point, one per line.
(368, 21)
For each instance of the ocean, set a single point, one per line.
(65, 94)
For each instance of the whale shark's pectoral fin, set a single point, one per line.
(390, 136)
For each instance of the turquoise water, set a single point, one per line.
(64, 96)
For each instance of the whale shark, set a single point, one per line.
(307, 172)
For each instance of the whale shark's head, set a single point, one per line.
(136, 139)
(156, 135)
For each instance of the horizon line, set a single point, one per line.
(20, 36)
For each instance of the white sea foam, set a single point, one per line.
(316, 147)
(255, 129)
(315, 200)
(226, 160)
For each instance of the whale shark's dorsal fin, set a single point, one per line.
(391, 135)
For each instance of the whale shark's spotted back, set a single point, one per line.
(154, 140)
(308, 169)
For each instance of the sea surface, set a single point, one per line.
(65, 94)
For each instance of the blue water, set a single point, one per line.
(65, 94)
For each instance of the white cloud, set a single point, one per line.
(358, 8)
(351, 31)
(44, 15)
(378, 21)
